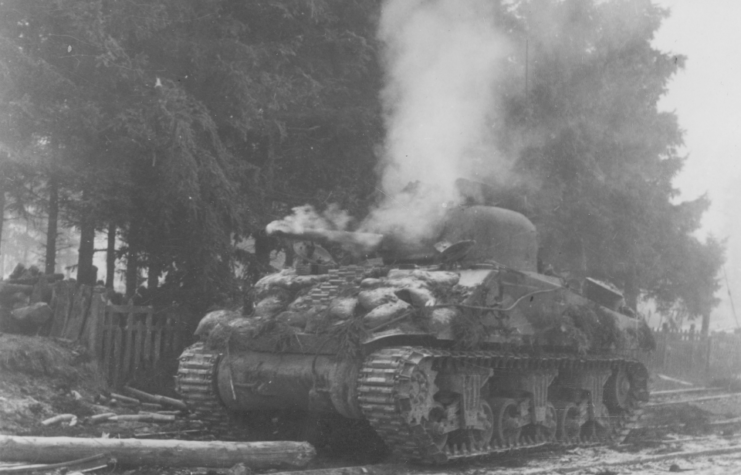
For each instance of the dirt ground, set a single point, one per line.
(41, 377)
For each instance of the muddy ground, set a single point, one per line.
(41, 377)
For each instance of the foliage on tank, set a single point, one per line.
(347, 304)
(350, 305)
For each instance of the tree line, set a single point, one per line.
(180, 127)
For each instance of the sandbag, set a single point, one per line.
(301, 304)
(212, 319)
(370, 299)
(370, 282)
(237, 332)
(294, 319)
(288, 280)
(445, 278)
(342, 308)
(384, 313)
(273, 304)
(442, 317)
(417, 297)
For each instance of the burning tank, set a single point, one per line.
(450, 350)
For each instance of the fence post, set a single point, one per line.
(149, 335)
(709, 355)
(95, 323)
(128, 346)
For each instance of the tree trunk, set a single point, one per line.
(110, 268)
(132, 274)
(163, 453)
(132, 262)
(705, 324)
(263, 247)
(153, 273)
(51, 228)
(86, 272)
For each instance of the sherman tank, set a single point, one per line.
(453, 349)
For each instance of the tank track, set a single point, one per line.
(196, 384)
(384, 389)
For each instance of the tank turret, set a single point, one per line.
(450, 349)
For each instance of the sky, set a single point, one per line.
(706, 96)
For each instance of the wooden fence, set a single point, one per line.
(129, 342)
(133, 340)
(694, 357)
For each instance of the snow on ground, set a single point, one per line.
(600, 460)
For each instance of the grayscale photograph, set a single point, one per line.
(370, 237)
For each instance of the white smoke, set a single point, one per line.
(306, 218)
(441, 59)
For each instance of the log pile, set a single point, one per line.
(24, 300)
(146, 411)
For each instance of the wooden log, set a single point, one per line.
(172, 433)
(153, 452)
(125, 399)
(356, 470)
(33, 280)
(57, 419)
(101, 417)
(168, 401)
(144, 417)
(49, 468)
(7, 288)
(33, 315)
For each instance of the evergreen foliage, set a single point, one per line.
(189, 124)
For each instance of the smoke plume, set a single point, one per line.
(306, 218)
(442, 60)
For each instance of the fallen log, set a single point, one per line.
(357, 470)
(101, 417)
(155, 452)
(34, 315)
(51, 467)
(58, 419)
(125, 399)
(689, 401)
(175, 433)
(50, 278)
(167, 401)
(7, 288)
(146, 417)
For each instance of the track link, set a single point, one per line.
(386, 400)
(196, 384)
